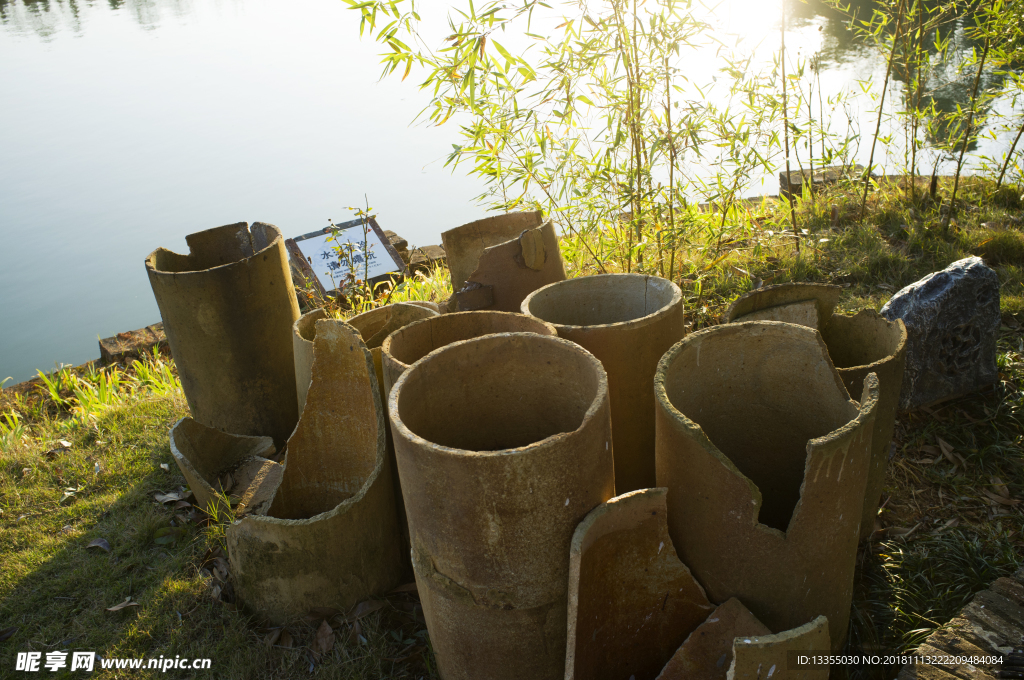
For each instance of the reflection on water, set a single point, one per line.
(127, 124)
(46, 17)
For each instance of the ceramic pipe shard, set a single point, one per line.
(465, 244)
(805, 304)
(411, 343)
(766, 461)
(502, 445)
(767, 657)
(205, 455)
(707, 653)
(631, 601)
(859, 344)
(628, 321)
(507, 272)
(227, 308)
(375, 326)
(331, 536)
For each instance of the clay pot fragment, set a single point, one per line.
(858, 344)
(330, 537)
(805, 304)
(766, 461)
(411, 343)
(707, 653)
(497, 261)
(631, 601)
(767, 656)
(207, 457)
(504, 446)
(227, 308)
(628, 321)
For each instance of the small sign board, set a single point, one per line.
(364, 251)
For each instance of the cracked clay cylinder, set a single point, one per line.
(504, 446)
(228, 309)
(858, 344)
(766, 460)
(628, 321)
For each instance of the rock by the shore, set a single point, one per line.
(952, 317)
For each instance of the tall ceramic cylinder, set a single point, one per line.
(864, 343)
(766, 460)
(628, 321)
(228, 309)
(504, 446)
(408, 345)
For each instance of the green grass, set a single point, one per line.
(56, 592)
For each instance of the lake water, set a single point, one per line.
(127, 124)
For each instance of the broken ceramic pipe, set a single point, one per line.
(768, 656)
(228, 309)
(707, 653)
(628, 321)
(375, 326)
(218, 465)
(632, 603)
(863, 343)
(498, 261)
(330, 538)
(766, 461)
(504, 446)
(411, 343)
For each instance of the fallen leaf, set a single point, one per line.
(951, 455)
(930, 450)
(948, 525)
(901, 532)
(167, 535)
(324, 641)
(1000, 499)
(165, 467)
(99, 543)
(355, 636)
(285, 639)
(64, 444)
(7, 633)
(364, 608)
(181, 505)
(406, 588)
(999, 486)
(172, 496)
(127, 603)
(273, 636)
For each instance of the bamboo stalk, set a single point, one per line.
(970, 122)
(1009, 155)
(671, 171)
(881, 106)
(785, 128)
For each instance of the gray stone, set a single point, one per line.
(952, 317)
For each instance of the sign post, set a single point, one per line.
(364, 252)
